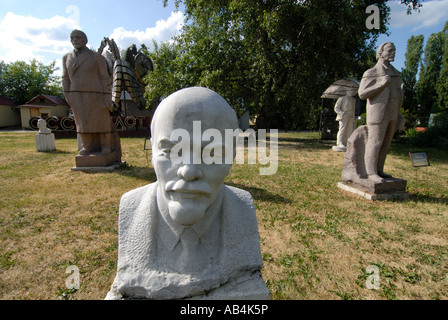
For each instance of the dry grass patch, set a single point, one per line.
(316, 240)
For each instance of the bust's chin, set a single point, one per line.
(186, 213)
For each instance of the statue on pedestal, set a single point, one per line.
(189, 236)
(87, 89)
(45, 140)
(368, 145)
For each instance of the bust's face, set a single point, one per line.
(189, 188)
(78, 40)
(388, 53)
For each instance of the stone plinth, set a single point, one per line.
(388, 190)
(252, 288)
(388, 186)
(98, 162)
(45, 142)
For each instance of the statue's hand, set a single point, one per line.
(386, 81)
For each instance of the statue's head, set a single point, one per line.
(189, 150)
(386, 51)
(41, 124)
(78, 39)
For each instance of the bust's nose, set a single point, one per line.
(189, 172)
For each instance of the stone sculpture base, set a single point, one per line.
(388, 190)
(45, 142)
(98, 162)
(251, 287)
(388, 186)
(354, 175)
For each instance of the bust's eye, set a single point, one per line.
(165, 146)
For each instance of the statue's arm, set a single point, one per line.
(371, 84)
(65, 76)
(338, 106)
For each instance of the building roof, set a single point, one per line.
(48, 101)
(4, 101)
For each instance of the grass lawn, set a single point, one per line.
(316, 240)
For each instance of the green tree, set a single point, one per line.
(274, 58)
(2, 67)
(413, 57)
(22, 81)
(167, 76)
(442, 81)
(428, 78)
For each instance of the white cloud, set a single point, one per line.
(431, 14)
(163, 31)
(26, 37)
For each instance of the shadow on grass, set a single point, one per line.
(260, 194)
(428, 199)
(59, 152)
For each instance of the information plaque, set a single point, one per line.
(419, 159)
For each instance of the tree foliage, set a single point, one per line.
(430, 68)
(166, 76)
(22, 81)
(274, 58)
(442, 81)
(413, 57)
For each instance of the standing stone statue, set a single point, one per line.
(345, 110)
(188, 235)
(87, 88)
(381, 86)
(368, 145)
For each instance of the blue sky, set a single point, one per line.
(39, 29)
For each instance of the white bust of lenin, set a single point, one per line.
(188, 236)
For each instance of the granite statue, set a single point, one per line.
(188, 235)
(87, 89)
(368, 145)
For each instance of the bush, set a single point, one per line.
(435, 136)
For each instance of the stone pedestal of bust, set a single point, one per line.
(45, 140)
(189, 236)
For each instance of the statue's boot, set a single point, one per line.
(384, 175)
(87, 144)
